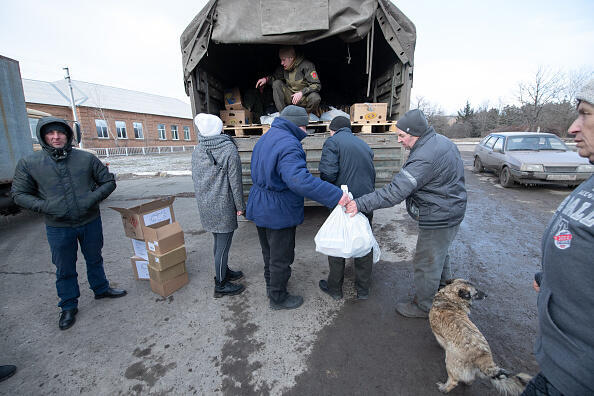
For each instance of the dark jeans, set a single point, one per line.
(63, 243)
(278, 252)
(363, 267)
(540, 386)
(432, 263)
(222, 243)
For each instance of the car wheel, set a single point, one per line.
(478, 165)
(505, 178)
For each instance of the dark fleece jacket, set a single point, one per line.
(65, 184)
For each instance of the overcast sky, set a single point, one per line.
(466, 50)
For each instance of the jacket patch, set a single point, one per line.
(563, 236)
(314, 75)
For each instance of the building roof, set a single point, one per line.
(95, 95)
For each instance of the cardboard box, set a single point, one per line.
(155, 213)
(166, 288)
(139, 248)
(160, 240)
(236, 117)
(168, 274)
(140, 268)
(369, 113)
(232, 99)
(161, 262)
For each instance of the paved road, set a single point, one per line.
(191, 343)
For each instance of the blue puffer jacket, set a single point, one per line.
(281, 179)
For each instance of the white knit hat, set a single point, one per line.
(587, 93)
(208, 124)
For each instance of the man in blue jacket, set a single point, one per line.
(348, 160)
(432, 183)
(67, 185)
(280, 181)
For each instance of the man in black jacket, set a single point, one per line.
(432, 183)
(348, 160)
(67, 185)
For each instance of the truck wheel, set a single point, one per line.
(505, 178)
(478, 165)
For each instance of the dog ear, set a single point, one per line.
(449, 281)
(464, 294)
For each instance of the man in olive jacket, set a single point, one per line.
(67, 185)
(432, 183)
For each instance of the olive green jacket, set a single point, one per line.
(302, 76)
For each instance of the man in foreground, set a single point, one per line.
(67, 185)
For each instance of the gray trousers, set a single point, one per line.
(222, 244)
(282, 98)
(432, 263)
(363, 267)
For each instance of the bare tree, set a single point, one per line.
(576, 79)
(546, 87)
(99, 112)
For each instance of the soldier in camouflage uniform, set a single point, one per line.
(294, 82)
(67, 185)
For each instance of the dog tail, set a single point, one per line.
(508, 384)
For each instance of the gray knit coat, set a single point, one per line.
(218, 187)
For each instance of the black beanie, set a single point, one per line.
(413, 122)
(53, 126)
(339, 122)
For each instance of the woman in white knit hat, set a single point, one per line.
(216, 171)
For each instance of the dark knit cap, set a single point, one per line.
(297, 115)
(340, 122)
(413, 122)
(53, 126)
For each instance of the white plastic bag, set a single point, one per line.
(344, 236)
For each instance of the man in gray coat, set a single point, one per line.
(432, 183)
(67, 185)
(348, 160)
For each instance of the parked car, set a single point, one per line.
(530, 158)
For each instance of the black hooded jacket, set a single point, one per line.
(65, 184)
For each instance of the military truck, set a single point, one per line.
(363, 52)
(15, 135)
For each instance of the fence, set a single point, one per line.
(150, 150)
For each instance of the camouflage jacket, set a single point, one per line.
(301, 77)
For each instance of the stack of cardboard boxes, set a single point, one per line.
(158, 242)
(235, 114)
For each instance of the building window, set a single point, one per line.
(101, 126)
(162, 132)
(174, 134)
(138, 130)
(187, 133)
(121, 129)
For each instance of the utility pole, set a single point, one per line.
(76, 123)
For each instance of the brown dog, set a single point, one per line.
(468, 354)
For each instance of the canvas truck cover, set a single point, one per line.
(285, 22)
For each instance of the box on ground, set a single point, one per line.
(236, 117)
(166, 288)
(155, 213)
(160, 240)
(168, 274)
(161, 262)
(140, 268)
(369, 113)
(232, 99)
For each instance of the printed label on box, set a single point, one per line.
(157, 260)
(139, 249)
(157, 216)
(151, 246)
(142, 269)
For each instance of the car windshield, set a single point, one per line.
(535, 143)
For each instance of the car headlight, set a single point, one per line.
(585, 168)
(531, 168)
